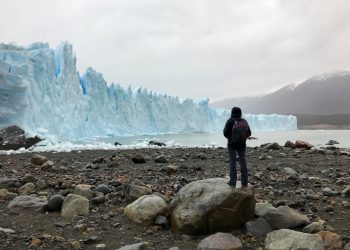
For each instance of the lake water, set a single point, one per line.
(315, 137)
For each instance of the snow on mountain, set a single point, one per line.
(42, 92)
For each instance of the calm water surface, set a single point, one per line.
(315, 137)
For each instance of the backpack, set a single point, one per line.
(240, 131)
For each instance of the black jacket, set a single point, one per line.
(228, 130)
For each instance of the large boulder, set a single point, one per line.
(146, 209)
(75, 204)
(14, 138)
(211, 205)
(285, 217)
(26, 203)
(222, 241)
(293, 240)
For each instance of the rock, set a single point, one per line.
(27, 188)
(258, 227)
(99, 160)
(161, 221)
(161, 159)
(105, 189)
(261, 209)
(75, 205)
(55, 202)
(331, 241)
(274, 146)
(156, 143)
(346, 191)
(38, 159)
(7, 182)
(314, 227)
(290, 172)
(47, 166)
(145, 209)
(289, 144)
(36, 243)
(135, 189)
(84, 190)
(32, 141)
(41, 183)
(332, 142)
(113, 164)
(328, 192)
(64, 192)
(171, 169)
(262, 157)
(222, 241)
(3, 193)
(137, 246)
(285, 217)
(302, 144)
(13, 138)
(26, 203)
(211, 205)
(6, 231)
(92, 240)
(347, 246)
(138, 159)
(29, 178)
(292, 240)
(98, 200)
(100, 246)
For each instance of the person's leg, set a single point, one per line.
(233, 171)
(243, 164)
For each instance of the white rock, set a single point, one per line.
(145, 209)
(27, 188)
(292, 240)
(75, 205)
(26, 203)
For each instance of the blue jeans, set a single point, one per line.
(233, 150)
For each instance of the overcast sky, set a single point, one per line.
(191, 48)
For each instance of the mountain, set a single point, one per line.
(327, 94)
(321, 102)
(42, 92)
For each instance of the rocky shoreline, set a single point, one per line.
(313, 183)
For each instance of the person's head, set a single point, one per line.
(236, 112)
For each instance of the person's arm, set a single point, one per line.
(228, 128)
(249, 131)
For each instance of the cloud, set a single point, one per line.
(199, 48)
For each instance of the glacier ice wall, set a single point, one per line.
(42, 91)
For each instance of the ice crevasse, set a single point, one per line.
(42, 92)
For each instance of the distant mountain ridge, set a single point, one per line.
(327, 94)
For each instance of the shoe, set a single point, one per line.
(231, 184)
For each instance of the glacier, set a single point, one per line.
(42, 92)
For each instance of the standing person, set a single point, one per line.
(237, 131)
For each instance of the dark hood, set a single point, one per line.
(236, 112)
